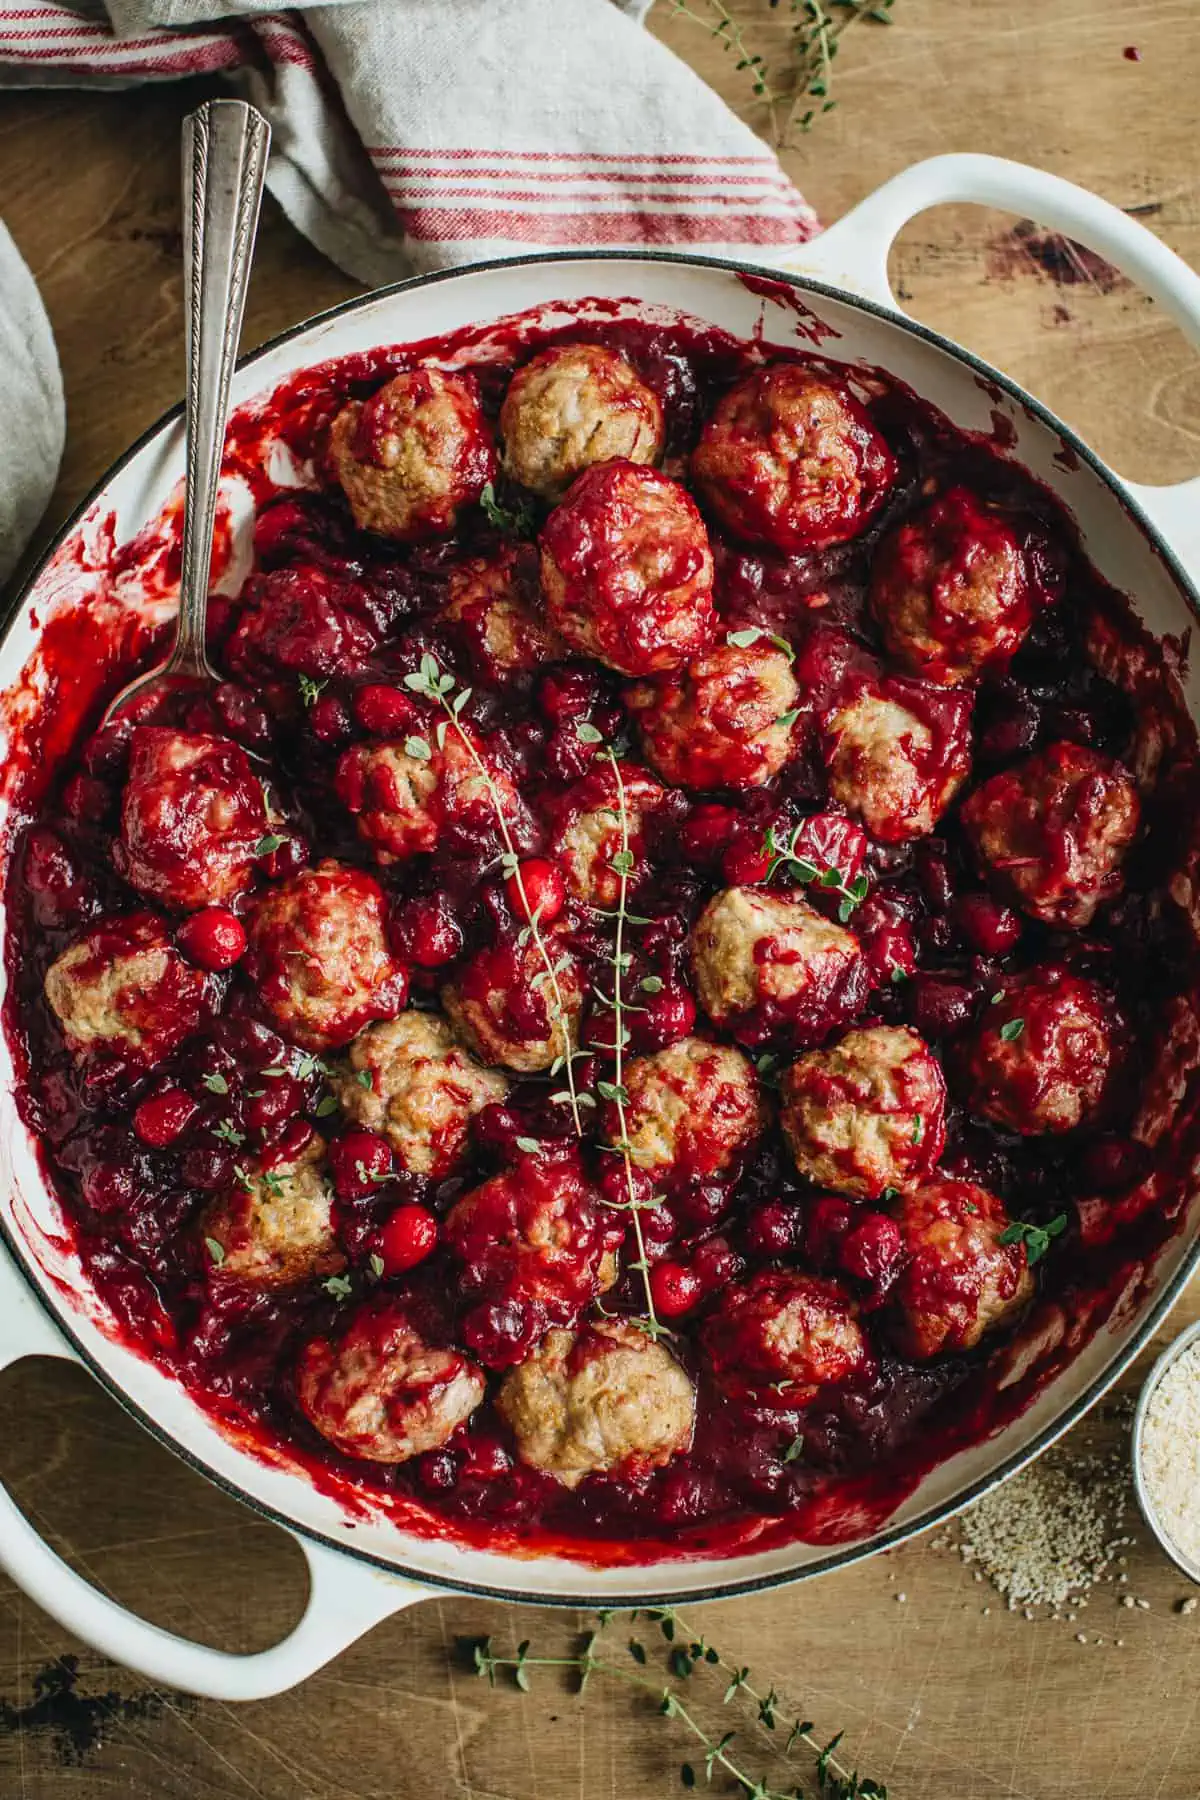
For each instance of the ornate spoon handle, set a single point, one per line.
(224, 162)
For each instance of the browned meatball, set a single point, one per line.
(411, 1081)
(603, 1399)
(275, 1227)
(627, 570)
(192, 816)
(406, 796)
(123, 994)
(574, 405)
(729, 719)
(587, 831)
(319, 960)
(414, 454)
(868, 1113)
(791, 459)
(1044, 1055)
(1053, 831)
(786, 1336)
(502, 1003)
(769, 965)
(896, 755)
(958, 1279)
(951, 590)
(693, 1110)
(381, 1392)
(493, 609)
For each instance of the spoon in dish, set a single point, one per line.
(224, 162)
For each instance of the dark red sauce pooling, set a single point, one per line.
(133, 1208)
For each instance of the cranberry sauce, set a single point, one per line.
(222, 1065)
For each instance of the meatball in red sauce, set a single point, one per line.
(951, 591)
(586, 830)
(729, 719)
(627, 570)
(300, 622)
(192, 815)
(693, 1111)
(534, 1247)
(958, 1279)
(381, 1391)
(867, 1114)
(1054, 830)
(504, 1006)
(415, 454)
(792, 460)
(1045, 1053)
(768, 965)
(319, 958)
(123, 994)
(406, 796)
(896, 754)
(574, 405)
(786, 1337)
(493, 610)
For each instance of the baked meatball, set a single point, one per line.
(535, 1241)
(866, 1114)
(381, 1391)
(493, 609)
(319, 960)
(504, 1006)
(406, 795)
(896, 755)
(122, 992)
(693, 1110)
(300, 621)
(728, 719)
(414, 454)
(574, 405)
(957, 1279)
(1053, 831)
(411, 1081)
(790, 459)
(587, 834)
(192, 816)
(599, 1400)
(1043, 1056)
(627, 570)
(275, 1227)
(787, 1336)
(951, 591)
(769, 965)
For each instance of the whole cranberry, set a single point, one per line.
(279, 1100)
(1012, 730)
(109, 1187)
(745, 864)
(704, 836)
(486, 1459)
(288, 858)
(871, 1249)
(987, 926)
(617, 1183)
(208, 1168)
(384, 710)
(701, 1204)
(358, 1162)
(290, 1144)
(536, 889)
(500, 1333)
(666, 1016)
(826, 1223)
(715, 1265)
(565, 694)
(775, 1229)
(212, 939)
(241, 715)
(933, 873)
(674, 1288)
(329, 719)
(406, 1238)
(426, 932)
(497, 1128)
(437, 1470)
(57, 888)
(161, 1118)
(939, 1008)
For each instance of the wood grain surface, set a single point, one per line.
(937, 1698)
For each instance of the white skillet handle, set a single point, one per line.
(854, 254)
(345, 1599)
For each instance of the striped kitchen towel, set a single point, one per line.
(420, 134)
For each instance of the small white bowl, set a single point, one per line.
(1170, 1355)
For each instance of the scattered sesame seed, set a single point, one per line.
(1081, 1637)
(901, 1598)
(1126, 1599)
(1144, 1604)
(1187, 1606)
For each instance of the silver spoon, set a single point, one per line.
(224, 161)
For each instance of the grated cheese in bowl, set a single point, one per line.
(1167, 1452)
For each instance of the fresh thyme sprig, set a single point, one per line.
(720, 23)
(615, 1091)
(439, 686)
(803, 870)
(688, 1653)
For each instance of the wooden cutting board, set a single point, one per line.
(937, 1698)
